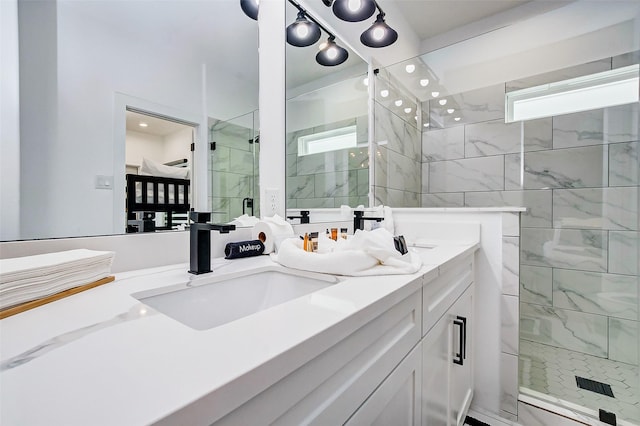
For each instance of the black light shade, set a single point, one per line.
(354, 10)
(250, 8)
(331, 54)
(303, 32)
(379, 34)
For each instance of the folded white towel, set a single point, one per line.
(366, 253)
(32, 277)
(245, 221)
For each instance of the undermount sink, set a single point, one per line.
(207, 302)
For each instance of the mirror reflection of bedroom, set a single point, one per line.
(158, 159)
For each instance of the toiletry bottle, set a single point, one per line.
(313, 240)
(334, 234)
(305, 242)
(343, 233)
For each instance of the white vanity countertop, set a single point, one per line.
(102, 358)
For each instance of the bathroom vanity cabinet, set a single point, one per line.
(366, 350)
(411, 365)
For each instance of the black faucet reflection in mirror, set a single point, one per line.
(358, 219)
(247, 203)
(304, 216)
(200, 241)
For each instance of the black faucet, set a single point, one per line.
(358, 219)
(304, 216)
(200, 241)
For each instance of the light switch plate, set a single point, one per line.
(104, 182)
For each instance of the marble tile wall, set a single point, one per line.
(233, 170)
(328, 179)
(578, 175)
(399, 175)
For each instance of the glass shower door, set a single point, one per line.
(233, 167)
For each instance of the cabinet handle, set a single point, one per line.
(459, 356)
(464, 334)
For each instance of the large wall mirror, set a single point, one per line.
(91, 72)
(327, 128)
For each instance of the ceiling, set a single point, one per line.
(429, 18)
(155, 126)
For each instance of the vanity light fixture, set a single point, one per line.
(331, 54)
(435, 94)
(442, 102)
(398, 102)
(450, 110)
(303, 32)
(353, 10)
(424, 82)
(377, 35)
(306, 30)
(410, 68)
(250, 8)
(384, 93)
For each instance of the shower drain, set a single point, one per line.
(594, 386)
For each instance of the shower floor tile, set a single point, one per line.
(550, 370)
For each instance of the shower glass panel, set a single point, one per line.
(234, 167)
(572, 291)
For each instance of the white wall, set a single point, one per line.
(9, 122)
(177, 145)
(143, 145)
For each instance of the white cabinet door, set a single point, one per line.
(436, 360)
(397, 400)
(461, 383)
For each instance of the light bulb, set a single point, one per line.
(442, 102)
(302, 30)
(332, 53)
(407, 110)
(398, 102)
(378, 33)
(410, 68)
(450, 110)
(435, 94)
(384, 93)
(354, 5)
(424, 82)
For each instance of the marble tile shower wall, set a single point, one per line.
(329, 179)
(578, 176)
(398, 157)
(233, 168)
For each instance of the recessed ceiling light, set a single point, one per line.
(450, 110)
(398, 102)
(407, 110)
(410, 68)
(457, 118)
(143, 124)
(384, 93)
(415, 117)
(435, 94)
(426, 124)
(442, 101)
(365, 81)
(424, 82)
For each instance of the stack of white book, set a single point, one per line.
(23, 279)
